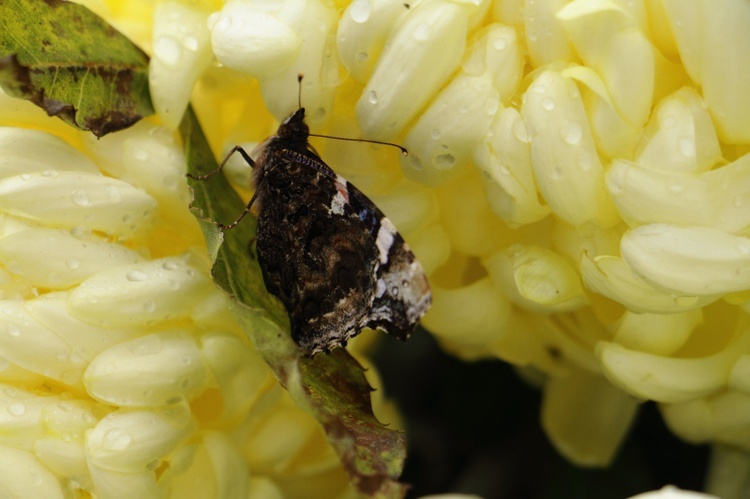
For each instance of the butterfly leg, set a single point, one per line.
(242, 215)
(235, 149)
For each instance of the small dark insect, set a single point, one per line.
(325, 250)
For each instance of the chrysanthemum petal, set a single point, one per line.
(232, 477)
(688, 260)
(536, 279)
(680, 136)
(313, 21)
(131, 441)
(566, 164)
(712, 43)
(239, 371)
(586, 417)
(423, 50)
(181, 51)
(610, 276)
(22, 475)
(79, 199)
(546, 39)
(252, 41)
(717, 198)
(669, 379)
(29, 344)
(722, 418)
(468, 317)
(505, 160)
(362, 32)
(33, 254)
(153, 370)
(140, 294)
(607, 39)
(660, 334)
(25, 151)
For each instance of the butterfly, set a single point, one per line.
(332, 258)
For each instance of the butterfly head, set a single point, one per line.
(294, 128)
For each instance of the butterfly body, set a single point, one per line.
(326, 251)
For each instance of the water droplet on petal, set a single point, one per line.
(571, 132)
(80, 198)
(372, 97)
(136, 275)
(167, 50)
(360, 10)
(422, 33)
(548, 104)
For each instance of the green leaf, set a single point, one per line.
(331, 387)
(71, 63)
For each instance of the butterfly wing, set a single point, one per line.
(402, 293)
(316, 255)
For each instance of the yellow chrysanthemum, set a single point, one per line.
(576, 188)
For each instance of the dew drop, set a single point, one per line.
(25, 176)
(415, 162)
(80, 198)
(141, 154)
(167, 50)
(117, 439)
(169, 265)
(548, 104)
(435, 133)
(149, 306)
(499, 44)
(360, 10)
(14, 330)
(190, 43)
(49, 173)
(113, 193)
(422, 33)
(571, 132)
(17, 409)
(372, 97)
(361, 57)
(444, 161)
(72, 263)
(738, 201)
(136, 275)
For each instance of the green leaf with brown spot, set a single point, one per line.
(71, 63)
(333, 387)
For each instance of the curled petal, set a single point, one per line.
(22, 475)
(537, 279)
(607, 39)
(586, 417)
(716, 198)
(34, 255)
(252, 41)
(688, 260)
(566, 164)
(505, 160)
(79, 199)
(140, 294)
(610, 276)
(132, 441)
(26, 151)
(181, 51)
(154, 370)
(362, 32)
(423, 50)
(668, 379)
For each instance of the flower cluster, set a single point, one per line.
(576, 186)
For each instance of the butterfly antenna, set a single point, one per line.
(299, 90)
(379, 142)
